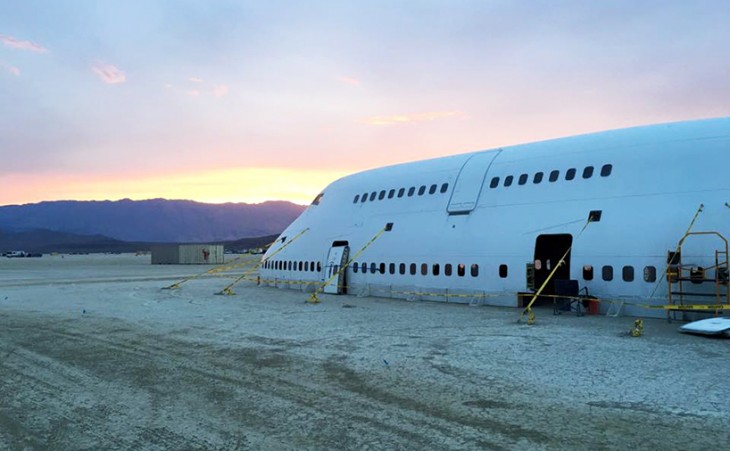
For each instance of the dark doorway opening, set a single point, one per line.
(549, 249)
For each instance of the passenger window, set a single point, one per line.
(474, 270)
(538, 178)
(587, 272)
(435, 269)
(401, 192)
(411, 190)
(373, 267)
(494, 183)
(301, 266)
(421, 190)
(391, 268)
(554, 175)
(444, 187)
(461, 270)
(382, 268)
(357, 197)
(391, 193)
(402, 268)
(432, 190)
(413, 269)
(306, 266)
(649, 274)
(503, 271)
(628, 273)
(372, 196)
(508, 180)
(522, 180)
(606, 170)
(588, 172)
(319, 267)
(447, 269)
(424, 269)
(570, 174)
(382, 195)
(607, 273)
(311, 266)
(364, 198)
(355, 267)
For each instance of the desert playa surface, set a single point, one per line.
(94, 355)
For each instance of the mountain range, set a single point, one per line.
(117, 225)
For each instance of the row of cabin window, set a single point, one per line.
(288, 265)
(627, 273)
(401, 192)
(552, 177)
(425, 269)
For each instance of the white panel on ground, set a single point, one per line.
(711, 326)
(470, 181)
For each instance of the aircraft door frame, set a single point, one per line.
(337, 257)
(549, 249)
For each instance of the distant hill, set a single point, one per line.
(156, 220)
(47, 241)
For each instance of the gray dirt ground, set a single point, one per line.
(93, 355)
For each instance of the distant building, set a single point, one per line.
(187, 254)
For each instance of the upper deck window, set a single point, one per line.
(401, 192)
(381, 196)
(606, 170)
(357, 197)
(432, 189)
(508, 180)
(494, 183)
(588, 172)
(554, 175)
(522, 180)
(570, 174)
(411, 190)
(444, 187)
(364, 198)
(391, 193)
(317, 199)
(372, 196)
(538, 178)
(421, 190)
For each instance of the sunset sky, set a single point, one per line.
(243, 101)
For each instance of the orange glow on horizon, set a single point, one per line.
(250, 185)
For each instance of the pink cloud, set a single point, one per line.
(12, 69)
(220, 90)
(109, 74)
(349, 81)
(408, 118)
(15, 43)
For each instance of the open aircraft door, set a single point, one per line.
(338, 256)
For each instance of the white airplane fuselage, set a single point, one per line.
(495, 211)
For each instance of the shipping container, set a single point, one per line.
(187, 254)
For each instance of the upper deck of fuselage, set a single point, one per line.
(646, 156)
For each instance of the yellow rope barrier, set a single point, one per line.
(224, 267)
(528, 309)
(313, 299)
(228, 289)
